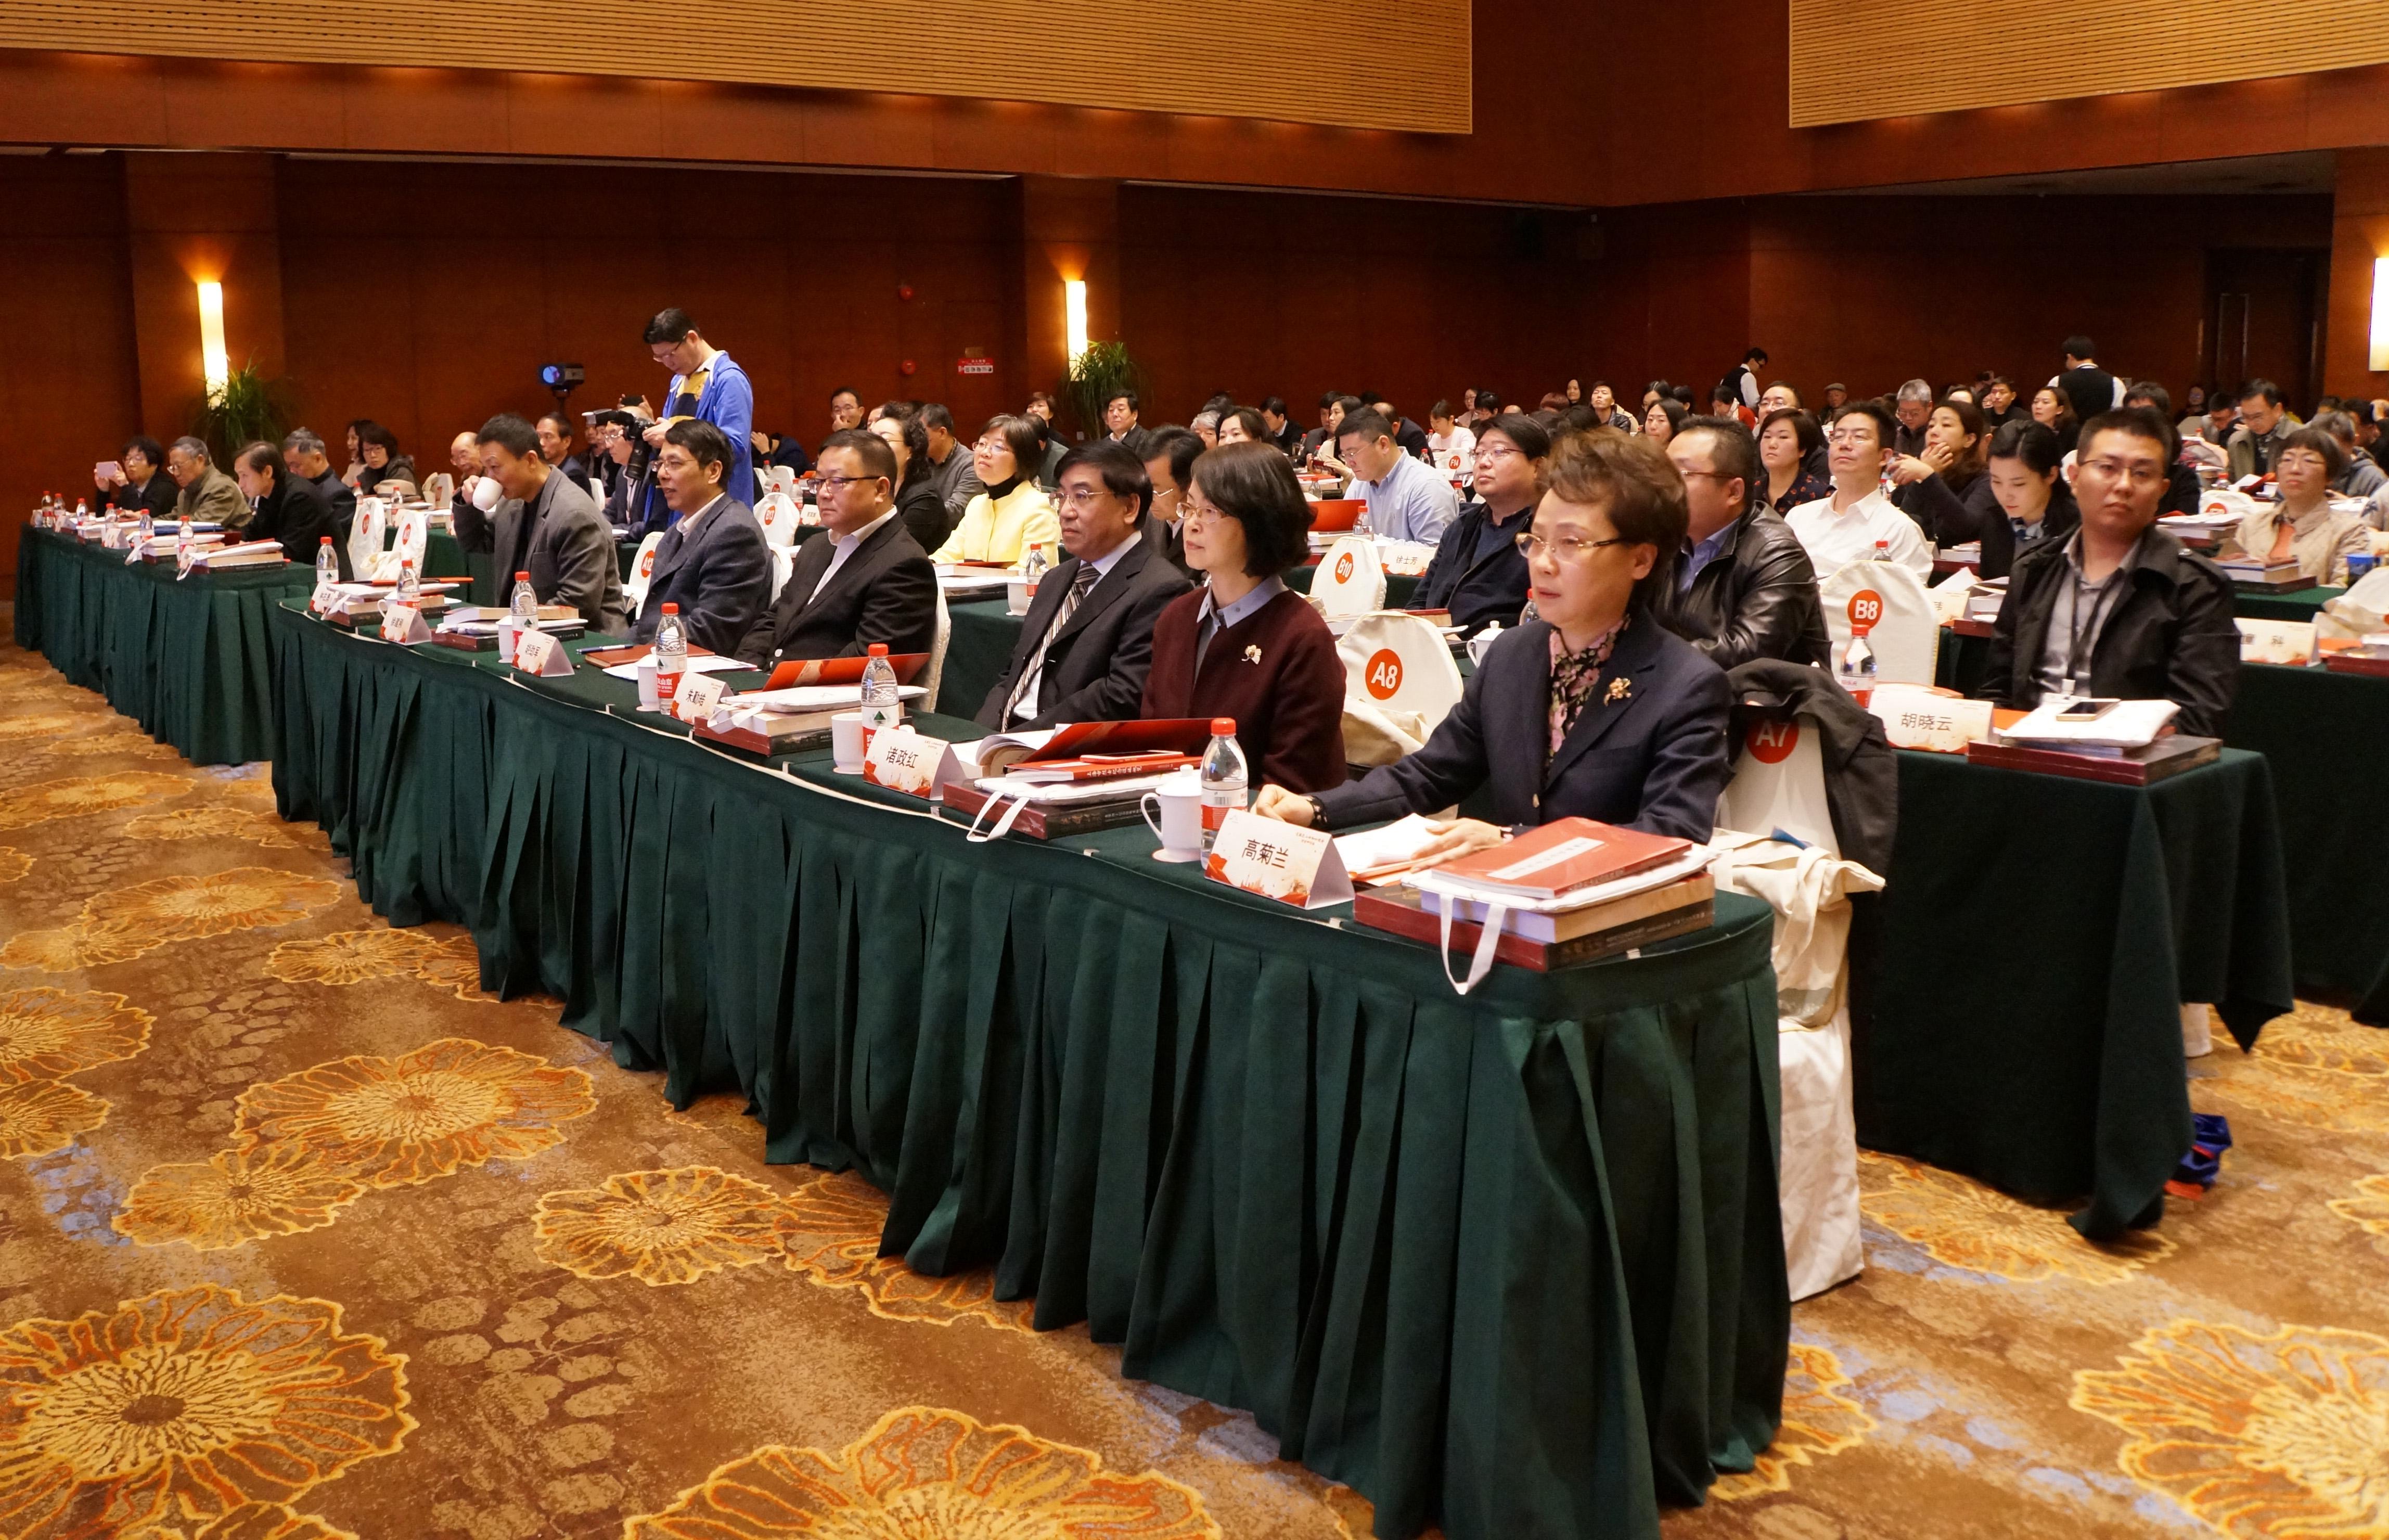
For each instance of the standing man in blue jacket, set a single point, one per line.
(708, 385)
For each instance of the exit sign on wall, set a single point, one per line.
(975, 366)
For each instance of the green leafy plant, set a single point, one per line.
(1097, 375)
(249, 408)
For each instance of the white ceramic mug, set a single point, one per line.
(649, 700)
(848, 742)
(486, 494)
(1179, 802)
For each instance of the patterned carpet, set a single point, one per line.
(301, 1235)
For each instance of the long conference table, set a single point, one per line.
(1510, 1263)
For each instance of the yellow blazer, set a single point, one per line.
(1000, 530)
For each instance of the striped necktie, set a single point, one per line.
(1023, 704)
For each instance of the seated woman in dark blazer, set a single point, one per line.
(1245, 644)
(1592, 710)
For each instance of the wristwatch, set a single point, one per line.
(1318, 812)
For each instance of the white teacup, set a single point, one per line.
(1174, 812)
(848, 742)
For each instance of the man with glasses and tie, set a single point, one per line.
(2118, 609)
(865, 579)
(1087, 646)
(713, 562)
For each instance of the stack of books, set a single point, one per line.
(1573, 890)
(248, 553)
(2256, 575)
(2123, 742)
(474, 628)
(1078, 779)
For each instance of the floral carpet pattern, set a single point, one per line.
(303, 1237)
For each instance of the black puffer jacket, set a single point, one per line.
(1861, 770)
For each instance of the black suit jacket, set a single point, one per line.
(564, 543)
(158, 497)
(1649, 756)
(1755, 598)
(341, 498)
(295, 514)
(1096, 670)
(2170, 638)
(1169, 541)
(721, 579)
(886, 592)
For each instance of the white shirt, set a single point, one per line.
(1460, 441)
(843, 546)
(1834, 540)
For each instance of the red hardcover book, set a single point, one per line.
(1398, 911)
(840, 671)
(1180, 735)
(1099, 767)
(2165, 757)
(1048, 823)
(1563, 854)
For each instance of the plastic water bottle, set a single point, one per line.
(328, 563)
(183, 541)
(1882, 551)
(406, 590)
(1855, 667)
(83, 509)
(523, 608)
(1224, 777)
(148, 527)
(1032, 570)
(882, 706)
(670, 655)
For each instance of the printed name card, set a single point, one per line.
(537, 652)
(404, 622)
(2277, 642)
(902, 760)
(696, 697)
(1281, 861)
(1917, 719)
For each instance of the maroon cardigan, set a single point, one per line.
(1288, 706)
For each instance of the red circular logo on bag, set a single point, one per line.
(1344, 568)
(1866, 609)
(1383, 676)
(647, 565)
(1772, 742)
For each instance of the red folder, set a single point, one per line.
(1563, 854)
(840, 671)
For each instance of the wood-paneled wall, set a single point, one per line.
(1856, 59)
(1404, 65)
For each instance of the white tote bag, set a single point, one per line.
(1907, 634)
(1350, 580)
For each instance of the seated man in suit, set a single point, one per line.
(546, 525)
(286, 508)
(713, 562)
(1088, 643)
(1741, 587)
(2119, 608)
(303, 455)
(864, 580)
(1592, 710)
(207, 493)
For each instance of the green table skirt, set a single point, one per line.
(2326, 737)
(1510, 1263)
(2040, 934)
(2299, 604)
(184, 658)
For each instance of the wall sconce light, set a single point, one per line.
(212, 358)
(2379, 360)
(1074, 315)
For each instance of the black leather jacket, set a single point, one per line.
(1755, 598)
(2171, 637)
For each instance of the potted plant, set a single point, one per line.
(1097, 375)
(249, 407)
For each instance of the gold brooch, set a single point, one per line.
(1618, 690)
(1252, 655)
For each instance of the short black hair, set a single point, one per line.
(1221, 402)
(2319, 439)
(511, 433)
(1441, 409)
(561, 419)
(1669, 407)
(670, 324)
(1254, 485)
(1255, 429)
(1329, 398)
(2260, 387)
(1273, 403)
(150, 449)
(1123, 474)
(846, 391)
(1804, 424)
(1887, 427)
(2137, 421)
(1637, 489)
(707, 444)
(2079, 346)
(1366, 423)
(265, 459)
(1756, 355)
(935, 414)
(878, 458)
(2028, 442)
(2156, 395)
(1578, 417)
(1733, 452)
(1533, 440)
(370, 432)
(1128, 396)
(1180, 447)
(1488, 401)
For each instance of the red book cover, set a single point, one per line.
(840, 671)
(1563, 854)
(1101, 767)
(1183, 734)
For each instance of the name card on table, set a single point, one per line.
(404, 622)
(696, 697)
(537, 653)
(1276, 860)
(1916, 718)
(2277, 642)
(902, 760)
